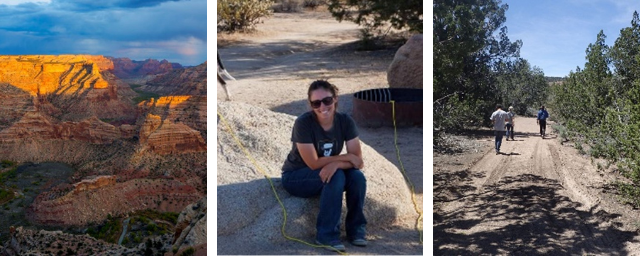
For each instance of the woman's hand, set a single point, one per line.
(327, 172)
(356, 161)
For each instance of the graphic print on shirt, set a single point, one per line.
(326, 147)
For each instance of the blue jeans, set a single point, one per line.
(499, 135)
(509, 131)
(306, 183)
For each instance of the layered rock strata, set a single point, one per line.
(50, 74)
(186, 109)
(165, 137)
(69, 87)
(188, 81)
(36, 126)
(94, 183)
(84, 206)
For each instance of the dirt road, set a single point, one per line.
(539, 197)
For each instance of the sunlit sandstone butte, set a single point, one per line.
(49, 98)
(58, 74)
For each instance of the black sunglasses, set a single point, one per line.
(327, 101)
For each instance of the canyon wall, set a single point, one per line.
(83, 206)
(127, 68)
(68, 87)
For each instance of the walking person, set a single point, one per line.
(510, 124)
(542, 120)
(498, 117)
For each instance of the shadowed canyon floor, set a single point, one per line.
(537, 197)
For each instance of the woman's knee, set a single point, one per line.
(356, 176)
(338, 177)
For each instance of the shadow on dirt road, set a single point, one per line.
(532, 219)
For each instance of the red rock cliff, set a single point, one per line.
(61, 74)
(68, 87)
(36, 126)
(165, 137)
(83, 207)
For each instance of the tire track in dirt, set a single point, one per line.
(533, 199)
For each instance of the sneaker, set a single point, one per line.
(333, 246)
(359, 242)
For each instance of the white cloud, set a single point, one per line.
(17, 2)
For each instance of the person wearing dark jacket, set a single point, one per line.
(542, 120)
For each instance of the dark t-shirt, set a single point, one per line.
(306, 129)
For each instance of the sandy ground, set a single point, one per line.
(275, 65)
(538, 197)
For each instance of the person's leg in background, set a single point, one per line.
(499, 135)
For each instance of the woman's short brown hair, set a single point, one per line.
(322, 84)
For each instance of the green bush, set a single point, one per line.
(5, 195)
(137, 239)
(7, 163)
(188, 252)
(9, 175)
(373, 14)
(241, 15)
(561, 131)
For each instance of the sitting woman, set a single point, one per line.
(315, 167)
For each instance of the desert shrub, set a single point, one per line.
(170, 216)
(288, 6)
(9, 175)
(630, 193)
(188, 252)
(312, 4)
(7, 163)
(241, 15)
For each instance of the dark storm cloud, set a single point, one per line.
(91, 5)
(172, 30)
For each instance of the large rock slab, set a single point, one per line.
(191, 228)
(405, 70)
(247, 207)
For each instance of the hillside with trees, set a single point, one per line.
(599, 105)
(477, 66)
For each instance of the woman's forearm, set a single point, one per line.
(323, 161)
(343, 165)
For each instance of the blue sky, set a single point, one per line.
(555, 34)
(175, 30)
